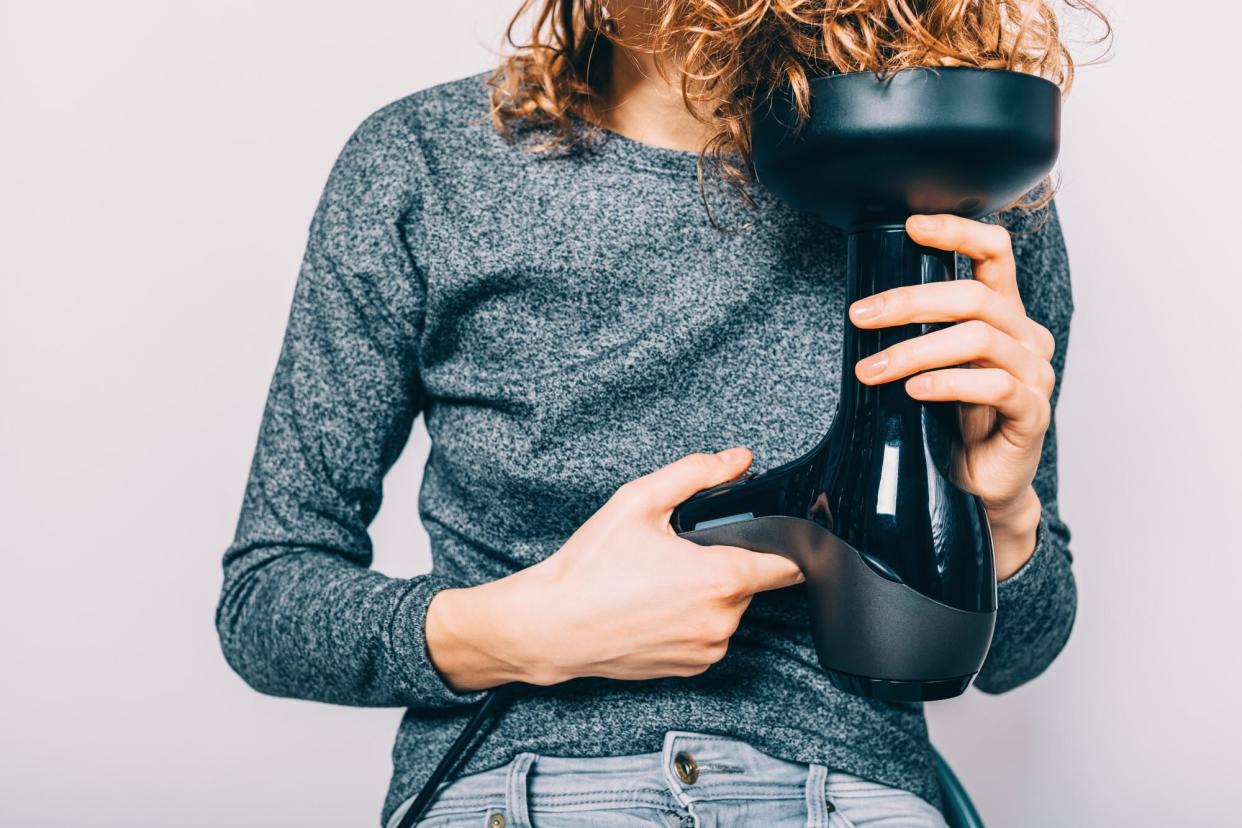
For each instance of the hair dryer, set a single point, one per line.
(898, 560)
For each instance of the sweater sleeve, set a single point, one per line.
(1036, 605)
(300, 612)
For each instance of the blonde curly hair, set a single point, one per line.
(727, 54)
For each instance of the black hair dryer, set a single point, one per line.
(898, 560)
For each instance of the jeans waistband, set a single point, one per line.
(691, 767)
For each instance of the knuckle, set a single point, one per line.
(979, 334)
(628, 494)
(734, 588)
(693, 460)
(700, 463)
(1047, 377)
(999, 240)
(725, 584)
(721, 629)
(1045, 413)
(1047, 342)
(716, 652)
(543, 676)
(1005, 386)
(708, 628)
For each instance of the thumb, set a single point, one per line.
(664, 488)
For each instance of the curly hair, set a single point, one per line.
(727, 54)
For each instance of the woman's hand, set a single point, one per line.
(1004, 394)
(624, 598)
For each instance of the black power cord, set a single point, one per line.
(493, 706)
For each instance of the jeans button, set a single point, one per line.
(686, 768)
(496, 821)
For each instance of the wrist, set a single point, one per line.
(477, 639)
(461, 640)
(1014, 528)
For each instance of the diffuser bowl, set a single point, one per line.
(874, 151)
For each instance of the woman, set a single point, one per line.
(594, 329)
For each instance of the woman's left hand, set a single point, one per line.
(1005, 392)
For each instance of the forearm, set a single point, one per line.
(307, 624)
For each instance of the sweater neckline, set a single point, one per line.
(605, 144)
(608, 145)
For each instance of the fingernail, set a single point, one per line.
(873, 366)
(924, 222)
(866, 308)
(732, 455)
(918, 384)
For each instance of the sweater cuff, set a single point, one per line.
(407, 648)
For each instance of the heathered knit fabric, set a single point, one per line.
(564, 323)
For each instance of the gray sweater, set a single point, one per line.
(564, 322)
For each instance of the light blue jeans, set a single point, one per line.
(697, 781)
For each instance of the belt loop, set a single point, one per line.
(817, 815)
(516, 797)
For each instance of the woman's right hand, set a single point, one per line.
(624, 598)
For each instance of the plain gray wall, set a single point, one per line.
(159, 164)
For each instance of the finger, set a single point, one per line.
(949, 302)
(987, 245)
(973, 341)
(657, 493)
(1020, 406)
(758, 571)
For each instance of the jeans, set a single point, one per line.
(697, 781)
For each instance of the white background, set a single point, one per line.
(159, 164)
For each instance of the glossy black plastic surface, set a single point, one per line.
(880, 479)
(947, 140)
(915, 622)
